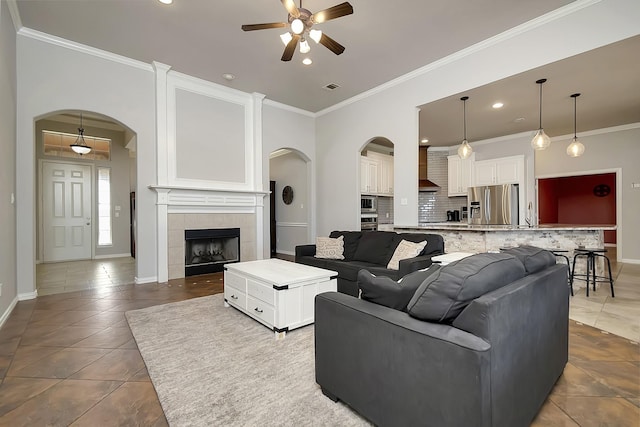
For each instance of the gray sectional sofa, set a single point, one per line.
(371, 250)
(481, 342)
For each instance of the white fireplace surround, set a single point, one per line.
(181, 200)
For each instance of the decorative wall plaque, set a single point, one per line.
(287, 195)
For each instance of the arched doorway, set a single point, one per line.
(85, 232)
(377, 184)
(290, 209)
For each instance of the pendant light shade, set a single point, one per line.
(465, 150)
(541, 140)
(80, 146)
(576, 148)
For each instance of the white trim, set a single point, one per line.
(630, 261)
(499, 38)
(275, 104)
(602, 131)
(211, 210)
(618, 172)
(141, 280)
(291, 224)
(78, 47)
(28, 295)
(127, 255)
(15, 18)
(8, 311)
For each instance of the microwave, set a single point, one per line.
(368, 204)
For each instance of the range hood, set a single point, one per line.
(424, 184)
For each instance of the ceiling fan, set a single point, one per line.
(300, 23)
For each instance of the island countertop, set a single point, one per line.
(461, 226)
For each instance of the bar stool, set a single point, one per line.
(561, 253)
(591, 254)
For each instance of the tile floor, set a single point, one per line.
(69, 358)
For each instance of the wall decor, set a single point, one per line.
(601, 190)
(287, 195)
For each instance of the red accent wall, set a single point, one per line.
(571, 200)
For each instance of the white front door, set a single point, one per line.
(66, 211)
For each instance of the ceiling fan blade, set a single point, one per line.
(290, 49)
(253, 27)
(332, 13)
(331, 44)
(290, 5)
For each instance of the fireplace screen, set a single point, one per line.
(206, 251)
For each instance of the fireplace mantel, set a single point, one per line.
(173, 199)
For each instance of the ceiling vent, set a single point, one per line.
(331, 86)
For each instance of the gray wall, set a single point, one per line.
(604, 151)
(120, 171)
(7, 160)
(291, 220)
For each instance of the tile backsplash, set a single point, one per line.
(433, 206)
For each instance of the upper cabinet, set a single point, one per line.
(505, 170)
(460, 172)
(376, 174)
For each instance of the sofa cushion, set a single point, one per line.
(442, 296)
(375, 247)
(533, 258)
(329, 248)
(405, 250)
(351, 239)
(388, 292)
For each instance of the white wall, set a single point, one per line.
(286, 127)
(7, 161)
(618, 148)
(55, 78)
(389, 111)
(291, 227)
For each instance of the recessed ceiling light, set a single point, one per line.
(228, 76)
(166, 1)
(424, 140)
(498, 105)
(307, 61)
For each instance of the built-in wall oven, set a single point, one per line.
(368, 213)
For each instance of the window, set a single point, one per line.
(59, 144)
(104, 207)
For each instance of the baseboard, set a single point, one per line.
(141, 280)
(286, 252)
(630, 261)
(28, 296)
(127, 255)
(8, 311)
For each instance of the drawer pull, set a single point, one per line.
(258, 310)
(234, 297)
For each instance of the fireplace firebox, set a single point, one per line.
(207, 251)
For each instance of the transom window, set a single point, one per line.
(58, 144)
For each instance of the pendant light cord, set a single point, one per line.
(464, 115)
(575, 114)
(540, 106)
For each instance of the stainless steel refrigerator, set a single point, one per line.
(493, 204)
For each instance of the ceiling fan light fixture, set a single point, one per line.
(465, 150)
(576, 148)
(297, 26)
(540, 140)
(304, 46)
(286, 38)
(315, 35)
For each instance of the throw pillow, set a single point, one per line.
(351, 239)
(444, 295)
(385, 291)
(405, 250)
(329, 248)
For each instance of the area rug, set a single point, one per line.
(215, 366)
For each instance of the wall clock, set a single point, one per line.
(287, 195)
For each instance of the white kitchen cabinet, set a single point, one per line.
(368, 175)
(505, 170)
(385, 175)
(460, 172)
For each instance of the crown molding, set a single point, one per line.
(289, 108)
(15, 14)
(594, 132)
(78, 47)
(499, 38)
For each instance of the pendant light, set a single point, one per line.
(465, 150)
(540, 141)
(576, 148)
(80, 146)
